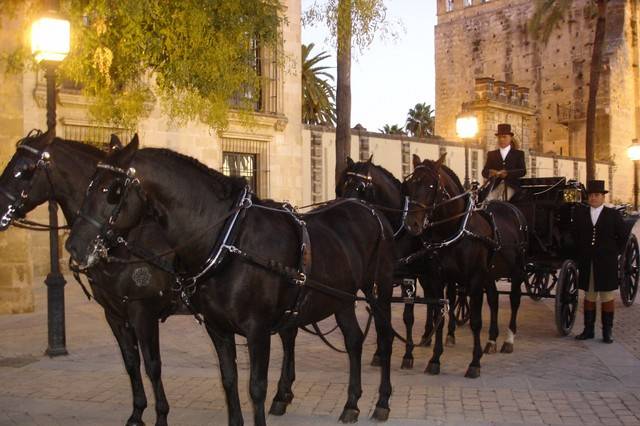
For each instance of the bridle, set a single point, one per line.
(106, 234)
(364, 182)
(17, 202)
(441, 196)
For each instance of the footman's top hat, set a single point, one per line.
(504, 129)
(596, 186)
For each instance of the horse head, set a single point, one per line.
(114, 203)
(428, 187)
(24, 183)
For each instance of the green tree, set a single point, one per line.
(318, 95)
(547, 16)
(192, 55)
(392, 129)
(420, 121)
(351, 22)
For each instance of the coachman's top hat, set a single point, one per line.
(596, 186)
(504, 129)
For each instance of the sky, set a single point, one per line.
(391, 76)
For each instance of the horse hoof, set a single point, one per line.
(424, 342)
(407, 364)
(375, 361)
(380, 414)
(490, 348)
(349, 415)
(278, 408)
(473, 372)
(432, 368)
(162, 422)
(132, 422)
(450, 341)
(507, 348)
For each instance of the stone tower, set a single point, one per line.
(489, 39)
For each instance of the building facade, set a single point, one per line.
(487, 62)
(267, 150)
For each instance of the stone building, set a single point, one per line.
(487, 63)
(268, 152)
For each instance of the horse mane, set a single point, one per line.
(228, 184)
(454, 177)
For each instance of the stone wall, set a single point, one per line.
(16, 269)
(490, 39)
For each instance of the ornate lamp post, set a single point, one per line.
(466, 128)
(50, 42)
(633, 152)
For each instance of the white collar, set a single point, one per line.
(595, 213)
(505, 151)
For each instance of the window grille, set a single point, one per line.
(249, 159)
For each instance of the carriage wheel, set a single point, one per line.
(629, 271)
(461, 309)
(537, 284)
(566, 297)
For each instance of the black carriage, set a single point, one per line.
(548, 204)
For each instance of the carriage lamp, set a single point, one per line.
(466, 128)
(50, 44)
(633, 152)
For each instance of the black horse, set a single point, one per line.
(375, 184)
(134, 296)
(469, 246)
(255, 254)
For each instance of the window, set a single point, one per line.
(449, 5)
(98, 136)
(238, 164)
(266, 98)
(534, 166)
(468, 3)
(248, 159)
(474, 165)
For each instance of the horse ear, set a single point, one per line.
(115, 143)
(416, 161)
(440, 161)
(370, 159)
(125, 155)
(350, 162)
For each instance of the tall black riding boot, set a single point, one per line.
(607, 322)
(589, 321)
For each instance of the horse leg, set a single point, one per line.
(284, 396)
(433, 367)
(129, 348)
(226, 348)
(451, 326)
(514, 297)
(408, 318)
(353, 339)
(476, 326)
(428, 326)
(259, 343)
(493, 301)
(146, 327)
(385, 343)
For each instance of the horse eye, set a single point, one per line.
(114, 193)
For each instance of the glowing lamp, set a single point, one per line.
(50, 39)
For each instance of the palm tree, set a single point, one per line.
(420, 121)
(318, 95)
(344, 34)
(393, 129)
(547, 16)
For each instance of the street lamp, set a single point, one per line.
(50, 42)
(633, 152)
(466, 128)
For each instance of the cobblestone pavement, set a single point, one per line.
(547, 380)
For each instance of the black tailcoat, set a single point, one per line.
(514, 165)
(600, 244)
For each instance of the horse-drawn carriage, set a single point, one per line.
(548, 204)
